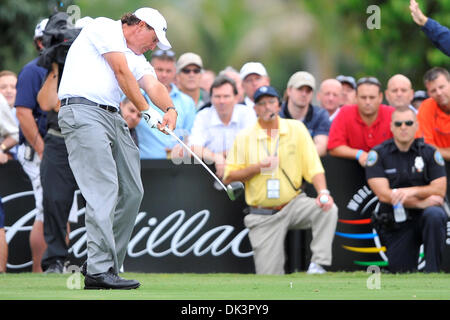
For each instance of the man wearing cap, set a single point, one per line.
(399, 92)
(418, 98)
(330, 97)
(360, 127)
(300, 90)
(152, 143)
(189, 76)
(32, 122)
(348, 89)
(104, 61)
(253, 75)
(434, 112)
(272, 158)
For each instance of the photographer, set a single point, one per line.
(409, 179)
(58, 182)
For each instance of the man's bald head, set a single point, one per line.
(330, 95)
(399, 91)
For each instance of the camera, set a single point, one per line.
(59, 34)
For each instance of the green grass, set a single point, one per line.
(297, 286)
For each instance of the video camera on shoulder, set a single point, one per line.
(59, 34)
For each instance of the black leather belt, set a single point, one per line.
(81, 100)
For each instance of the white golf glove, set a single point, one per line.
(152, 117)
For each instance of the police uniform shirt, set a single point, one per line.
(420, 165)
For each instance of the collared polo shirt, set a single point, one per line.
(297, 156)
(434, 124)
(87, 73)
(152, 142)
(316, 120)
(210, 132)
(349, 129)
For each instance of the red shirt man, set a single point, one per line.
(358, 128)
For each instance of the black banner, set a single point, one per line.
(185, 224)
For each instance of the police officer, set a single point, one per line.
(404, 172)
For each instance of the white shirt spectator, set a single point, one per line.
(8, 126)
(100, 36)
(210, 132)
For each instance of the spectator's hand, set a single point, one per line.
(322, 204)
(220, 169)
(417, 14)
(3, 158)
(433, 200)
(362, 159)
(269, 164)
(178, 152)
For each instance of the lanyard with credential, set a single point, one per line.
(282, 170)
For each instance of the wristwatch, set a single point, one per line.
(3, 147)
(167, 110)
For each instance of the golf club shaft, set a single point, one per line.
(195, 156)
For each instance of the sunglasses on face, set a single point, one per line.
(160, 53)
(370, 80)
(408, 123)
(194, 70)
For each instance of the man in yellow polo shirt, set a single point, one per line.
(272, 158)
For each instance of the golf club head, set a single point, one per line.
(235, 189)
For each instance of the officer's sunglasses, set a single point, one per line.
(398, 124)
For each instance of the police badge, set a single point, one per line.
(418, 163)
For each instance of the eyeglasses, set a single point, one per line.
(160, 53)
(398, 124)
(194, 70)
(370, 80)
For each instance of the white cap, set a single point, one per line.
(83, 22)
(189, 58)
(155, 20)
(39, 30)
(252, 67)
(302, 78)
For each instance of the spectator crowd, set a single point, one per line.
(220, 110)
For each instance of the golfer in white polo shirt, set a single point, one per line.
(105, 61)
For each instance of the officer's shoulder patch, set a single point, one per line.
(438, 158)
(372, 158)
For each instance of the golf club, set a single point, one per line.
(234, 189)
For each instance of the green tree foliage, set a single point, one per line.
(399, 46)
(18, 20)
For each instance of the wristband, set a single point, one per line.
(358, 154)
(324, 191)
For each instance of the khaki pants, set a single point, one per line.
(267, 233)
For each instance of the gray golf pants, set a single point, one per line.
(267, 233)
(106, 165)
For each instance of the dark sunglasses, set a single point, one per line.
(370, 80)
(187, 70)
(398, 124)
(160, 53)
